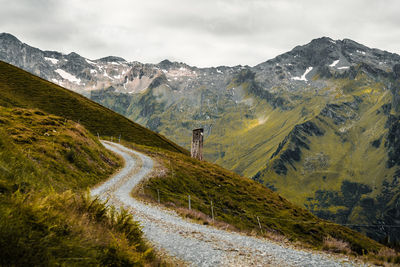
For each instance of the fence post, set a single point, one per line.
(172, 170)
(158, 196)
(119, 138)
(189, 203)
(259, 224)
(212, 211)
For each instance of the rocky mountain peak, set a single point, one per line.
(112, 59)
(73, 55)
(9, 37)
(165, 64)
(323, 41)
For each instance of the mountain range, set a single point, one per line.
(318, 124)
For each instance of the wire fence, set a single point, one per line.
(214, 209)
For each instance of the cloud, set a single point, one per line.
(202, 33)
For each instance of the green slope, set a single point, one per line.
(46, 165)
(22, 89)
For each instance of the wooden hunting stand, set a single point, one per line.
(197, 144)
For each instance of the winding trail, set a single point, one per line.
(198, 245)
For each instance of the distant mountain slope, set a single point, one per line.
(22, 89)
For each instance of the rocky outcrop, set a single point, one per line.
(289, 150)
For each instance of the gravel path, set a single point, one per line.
(198, 245)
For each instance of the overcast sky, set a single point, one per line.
(197, 32)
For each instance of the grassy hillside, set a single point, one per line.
(22, 89)
(46, 164)
(238, 201)
(59, 147)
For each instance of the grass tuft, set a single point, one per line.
(337, 246)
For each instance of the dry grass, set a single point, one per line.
(201, 217)
(387, 257)
(277, 237)
(337, 246)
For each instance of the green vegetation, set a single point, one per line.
(67, 229)
(22, 89)
(46, 164)
(69, 156)
(239, 201)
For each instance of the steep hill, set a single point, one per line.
(19, 88)
(46, 164)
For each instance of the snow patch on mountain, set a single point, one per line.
(106, 75)
(90, 62)
(334, 63)
(52, 60)
(68, 76)
(303, 77)
(343, 68)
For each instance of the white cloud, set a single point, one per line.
(202, 33)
